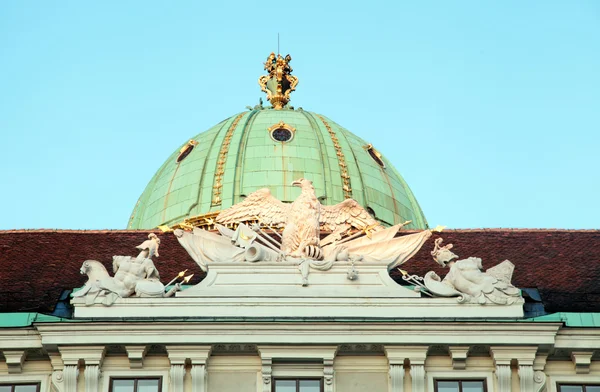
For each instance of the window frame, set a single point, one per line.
(21, 379)
(559, 385)
(298, 379)
(107, 375)
(38, 384)
(135, 381)
(476, 375)
(459, 381)
(554, 382)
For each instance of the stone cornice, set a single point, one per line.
(299, 333)
(578, 338)
(19, 338)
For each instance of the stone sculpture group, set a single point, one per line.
(250, 232)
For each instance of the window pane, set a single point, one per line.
(447, 386)
(310, 386)
(147, 386)
(592, 389)
(122, 385)
(472, 386)
(285, 385)
(570, 388)
(26, 388)
(5, 388)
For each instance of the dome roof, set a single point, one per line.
(266, 148)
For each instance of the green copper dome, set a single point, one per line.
(266, 148)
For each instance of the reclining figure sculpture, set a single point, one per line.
(468, 282)
(134, 276)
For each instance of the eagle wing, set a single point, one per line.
(262, 204)
(348, 212)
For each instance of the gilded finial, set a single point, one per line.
(280, 82)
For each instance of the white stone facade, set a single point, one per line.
(213, 356)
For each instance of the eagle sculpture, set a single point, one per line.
(302, 220)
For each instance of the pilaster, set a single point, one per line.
(70, 374)
(92, 378)
(397, 377)
(526, 377)
(198, 373)
(177, 373)
(197, 356)
(92, 356)
(416, 356)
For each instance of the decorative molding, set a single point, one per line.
(177, 374)
(92, 355)
(328, 374)
(582, 361)
(234, 348)
(266, 373)
(221, 160)
(136, 356)
(198, 355)
(397, 377)
(526, 377)
(360, 348)
(198, 373)
(57, 380)
(14, 360)
(459, 356)
(392, 334)
(539, 377)
(92, 378)
(416, 355)
(347, 186)
(70, 374)
(417, 373)
(503, 373)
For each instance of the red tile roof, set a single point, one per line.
(564, 265)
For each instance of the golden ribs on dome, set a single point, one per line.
(280, 82)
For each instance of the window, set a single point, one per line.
(281, 132)
(460, 386)
(186, 150)
(19, 387)
(297, 385)
(578, 388)
(134, 384)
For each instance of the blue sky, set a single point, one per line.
(490, 110)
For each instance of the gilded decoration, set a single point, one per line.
(220, 170)
(280, 82)
(341, 160)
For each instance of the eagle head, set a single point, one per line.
(302, 183)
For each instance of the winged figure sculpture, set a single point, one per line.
(303, 219)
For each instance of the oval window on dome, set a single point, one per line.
(376, 155)
(281, 132)
(186, 150)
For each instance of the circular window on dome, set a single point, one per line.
(282, 132)
(376, 155)
(186, 150)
